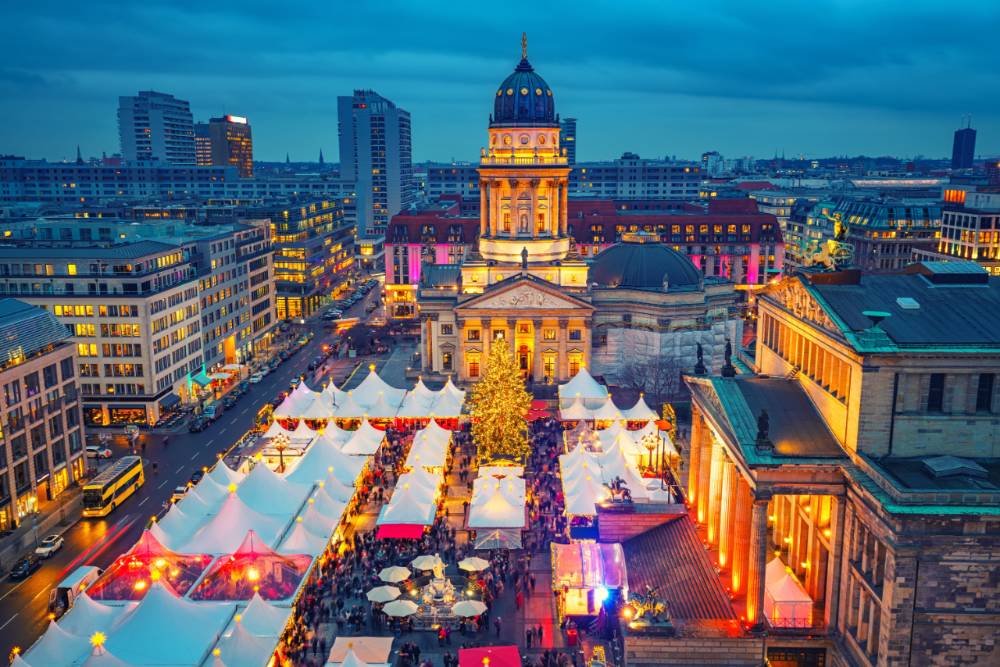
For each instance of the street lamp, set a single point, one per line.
(280, 443)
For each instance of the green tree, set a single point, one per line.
(499, 407)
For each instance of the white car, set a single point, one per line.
(256, 377)
(98, 452)
(49, 546)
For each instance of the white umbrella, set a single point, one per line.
(473, 564)
(426, 562)
(383, 594)
(400, 608)
(468, 608)
(394, 574)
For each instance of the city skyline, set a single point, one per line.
(826, 80)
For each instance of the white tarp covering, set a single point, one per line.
(574, 411)
(224, 475)
(276, 429)
(302, 433)
(243, 649)
(263, 618)
(300, 541)
(584, 386)
(224, 532)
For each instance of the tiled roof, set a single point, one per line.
(672, 560)
(123, 251)
(26, 329)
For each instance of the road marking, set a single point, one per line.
(244, 411)
(179, 468)
(194, 456)
(11, 591)
(8, 620)
(233, 420)
(212, 440)
(143, 501)
(162, 484)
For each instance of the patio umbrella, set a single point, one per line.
(468, 608)
(400, 608)
(473, 564)
(383, 594)
(394, 574)
(426, 562)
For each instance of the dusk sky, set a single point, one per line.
(658, 78)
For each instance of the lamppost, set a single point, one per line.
(650, 442)
(280, 443)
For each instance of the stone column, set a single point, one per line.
(694, 454)
(537, 368)
(460, 350)
(704, 476)
(727, 510)
(429, 350)
(532, 219)
(484, 212)
(715, 493)
(758, 563)
(562, 363)
(563, 208)
(741, 536)
(836, 541)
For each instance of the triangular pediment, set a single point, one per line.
(525, 294)
(796, 297)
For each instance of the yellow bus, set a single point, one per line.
(111, 487)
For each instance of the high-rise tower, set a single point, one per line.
(963, 148)
(156, 126)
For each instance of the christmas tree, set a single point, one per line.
(499, 405)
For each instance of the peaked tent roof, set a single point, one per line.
(319, 408)
(575, 410)
(57, 647)
(224, 533)
(367, 393)
(87, 616)
(365, 441)
(267, 492)
(302, 432)
(260, 617)
(320, 456)
(244, 649)
(583, 385)
(300, 541)
(276, 429)
(223, 475)
(640, 411)
(349, 408)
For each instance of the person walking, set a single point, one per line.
(496, 625)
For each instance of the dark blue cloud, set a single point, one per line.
(822, 77)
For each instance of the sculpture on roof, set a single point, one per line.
(699, 366)
(728, 370)
(836, 252)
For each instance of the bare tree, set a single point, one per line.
(657, 375)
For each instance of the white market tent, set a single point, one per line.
(224, 475)
(640, 411)
(243, 649)
(430, 447)
(786, 603)
(319, 409)
(365, 441)
(607, 411)
(224, 532)
(300, 541)
(575, 411)
(497, 503)
(262, 618)
(322, 455)
(267, 492)
(276, 429)
(88, 616)
(58, 647)
(348, 408)
(584, 386)
(372, 388)
(333, 395)
(302, 433)
(418, 402)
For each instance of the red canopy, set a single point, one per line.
(491, 656)
(539, 404)
(400, 531)
(535, 415)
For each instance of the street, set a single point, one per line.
(24, 604)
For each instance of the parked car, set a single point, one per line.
(256, 377)
(24, 568)
(98, 452)
(49, 546)
(178, 493)
(196, 476)
(198, 424)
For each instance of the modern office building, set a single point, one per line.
(858, 467)
(66, 183)
(963, 148)
(229, 142)
(42, 447)
(135, 315)
(970, 228)
(567, 133)
(375, 157)
(887, 233)
(314, 251)
(633, 177)
(156, 127)
(457, 178)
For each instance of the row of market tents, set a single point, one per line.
(374, 398)
(584, 398)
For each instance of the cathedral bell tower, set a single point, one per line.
(523, 174)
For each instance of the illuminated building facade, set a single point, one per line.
(864, 460)
(886, 235)
(223, 141)
(135, 314)
(567, 134)
(42, 426)
(970, 228)
(634, 177)
(513, 274)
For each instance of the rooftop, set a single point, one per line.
(135, 250)
(26, 330)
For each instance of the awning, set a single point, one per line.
(400, 531)
(220, 376)
(494, 656)
(201, 379)
(233, 368)
(169, 401)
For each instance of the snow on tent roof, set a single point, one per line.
(243, 649)
(225, 531)
(167, 630)
(583, 385)
(87, 616)
(224, 475)
(319, 457)
(365, 441)
(58, 647)
(640, 411)
(301, 541)
(267, 492)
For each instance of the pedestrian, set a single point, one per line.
(518, 600)
(528, 632)
(496, 625)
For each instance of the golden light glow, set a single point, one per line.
(253, 574)
(139, 585)
(97, 639)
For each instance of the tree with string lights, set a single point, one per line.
(499, 407)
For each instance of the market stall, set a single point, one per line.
(786, 602)
(253, 568)
(582, 386)
(586, 574)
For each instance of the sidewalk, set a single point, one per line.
(59, 516)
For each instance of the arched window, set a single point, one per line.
(523, 226)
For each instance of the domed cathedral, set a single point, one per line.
(523, 283)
